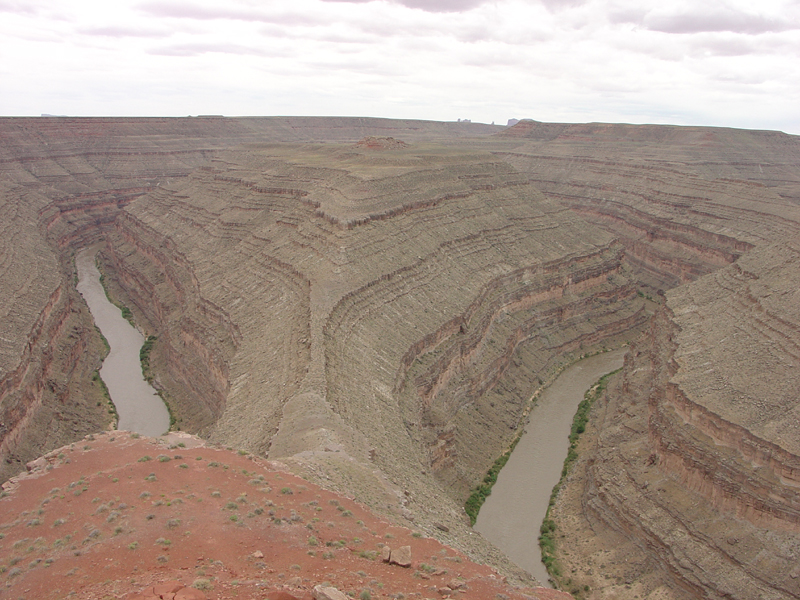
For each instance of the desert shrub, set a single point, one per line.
(202, 584)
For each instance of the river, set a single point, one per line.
(512, 515)
(139, 408)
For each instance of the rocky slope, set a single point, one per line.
(114, 515)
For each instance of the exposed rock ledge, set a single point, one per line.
(703, 476)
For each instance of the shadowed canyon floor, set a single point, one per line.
(375, 303)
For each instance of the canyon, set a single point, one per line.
(376, 303)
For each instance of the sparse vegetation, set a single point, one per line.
(202, 584)
(547, 537)
(484, 490)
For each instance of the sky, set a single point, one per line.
(702, 62)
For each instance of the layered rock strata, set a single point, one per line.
(380, 314)
(63, 184)
(684, 201)
(696, 457)
(316, 286)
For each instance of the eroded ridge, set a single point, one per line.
(64, 182)
(335, 336)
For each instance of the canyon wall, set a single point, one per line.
(64, 182)
(686, 487)
(382, 319)
(379, 315)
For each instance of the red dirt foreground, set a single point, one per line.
(118, 516)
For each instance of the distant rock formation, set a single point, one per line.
(380, 143)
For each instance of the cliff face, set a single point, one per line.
(379, 315)
(687, 483)
(316, 288)
(693, 471)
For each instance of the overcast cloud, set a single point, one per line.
(639, 61)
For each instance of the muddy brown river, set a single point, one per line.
(510, 518)
(140, 409)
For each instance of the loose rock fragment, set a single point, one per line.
(327, 593)
(401, 556)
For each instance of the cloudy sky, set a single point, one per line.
(705, 62)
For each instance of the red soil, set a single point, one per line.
(98, 520)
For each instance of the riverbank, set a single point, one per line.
(139, 408)
(547, 539)
(511, 517)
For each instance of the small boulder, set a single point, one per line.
(455, 584)
(386, 553)
(327, 593)
(401, 556)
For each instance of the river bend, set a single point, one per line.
(139, 408)
(512, 515)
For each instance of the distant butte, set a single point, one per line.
(380, 143)
(379, 321)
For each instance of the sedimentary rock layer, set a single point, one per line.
(63, 184)
(379, 314)
(331, 324)
(687, 488)
(684, 201)
(696, 459)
